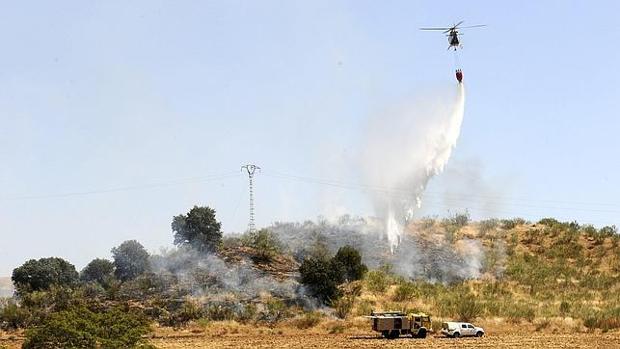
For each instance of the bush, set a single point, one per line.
(377, 281)
(308, 320)
(468, 308)
(343, 306)
(564, 308)
(274, 312)
(348, 263)
(608, 231)
(405, 291)
(188, 311)
(265, 243)
(82, 328)
(517, 312)
(458, 220)
(604, 320)
(487, 226)
(320, 278)
(508, 224)
(364, 307)
(12, 316)
(323, 275)
(221, 311)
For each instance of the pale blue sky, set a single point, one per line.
(115, 95)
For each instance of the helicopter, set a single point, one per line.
(453, 33)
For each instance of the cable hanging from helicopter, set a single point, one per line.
(453, 39)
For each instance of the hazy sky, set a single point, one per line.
(118, 115)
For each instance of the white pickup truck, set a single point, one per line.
(461, 329)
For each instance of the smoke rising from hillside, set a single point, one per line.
(208, 275)
(423, 254)
(405, 149)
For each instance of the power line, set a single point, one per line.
(170, 183)
(404, 193)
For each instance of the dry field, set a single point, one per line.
(348, 341)
(270, 340)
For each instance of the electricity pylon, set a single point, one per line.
(251, 169)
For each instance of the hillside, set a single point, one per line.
(548, 274)
(547, 277)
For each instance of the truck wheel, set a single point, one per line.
(456, 335)
(385, 334)
(422, 333)
(394, 334)
(479, 334)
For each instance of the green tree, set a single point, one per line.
(130, 260)
(321, 279)
(198, 229)
(98, 270)
(41, 274)
(348, 263)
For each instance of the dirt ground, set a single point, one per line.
(348, 341)
(316, 340)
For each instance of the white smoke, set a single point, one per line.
(421, 255)
(405, 149)
(207, 275)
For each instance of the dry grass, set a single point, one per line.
(365, 340)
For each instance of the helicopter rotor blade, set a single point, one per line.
(435, 28)
(459, 23)
(474, 26)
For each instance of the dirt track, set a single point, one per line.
(347, 341)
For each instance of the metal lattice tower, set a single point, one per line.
(251, 170)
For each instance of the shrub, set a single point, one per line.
(336, 328)
(564, 308)
(321, 279)
(609, 231)
(364, 307)
(308, 320)
(377, 281)
(221, 311)
(12, 316)
(82, 328)
(468, 308)
(550, 222)
(405, 291)
(348, 263)
(604, 320)
(265, 243)
(458, 220)
(188, 311)
(343, 306)
(487, 226)
(274, 312)
(427, 223)
(517, 312)
(508, 224)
